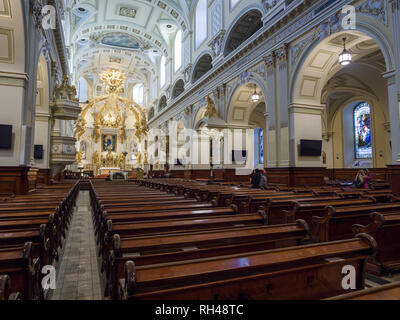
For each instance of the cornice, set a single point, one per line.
(266, 40)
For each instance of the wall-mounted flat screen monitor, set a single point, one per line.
(310, 148)
(38, 152)
(239, 156)
(5, 136)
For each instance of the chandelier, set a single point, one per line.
(345, 57)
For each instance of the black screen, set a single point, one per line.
(239, 156)
(310, 148)
(5, 136)
(38, 153)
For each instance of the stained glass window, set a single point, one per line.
(261, 146)
(362, 131)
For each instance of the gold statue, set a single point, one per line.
(122, 134)
(96, 161)
(122, 161)
(139, 158)
(79, 157)
(80, 128)
(211, 112)
(96, 132)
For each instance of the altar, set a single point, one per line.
(111, 130)
(106, 171)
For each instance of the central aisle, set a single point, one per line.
(78, 276)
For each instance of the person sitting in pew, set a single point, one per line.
(263, 180)
(362, 179)
(256, 179)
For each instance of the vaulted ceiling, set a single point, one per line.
(125, 34)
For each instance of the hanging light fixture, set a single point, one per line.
(255, 97)
(345, 57)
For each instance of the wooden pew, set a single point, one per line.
(306, 211)
(389, 291)
(305, 272)
(183, 225)
(337, 223)
(23, 270)
(41, 246)
(5, 285)
(385, 229)
(196, 245)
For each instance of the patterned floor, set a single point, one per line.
(78, 276)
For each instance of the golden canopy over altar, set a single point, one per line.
(111, 129)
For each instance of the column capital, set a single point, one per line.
(269, 60)
(282, 53)
(306, 109)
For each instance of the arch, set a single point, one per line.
(162, 104)
(244, 26)
(178, 89)
(202, 66)
(364, 29)
(199, 118)
(252, 79)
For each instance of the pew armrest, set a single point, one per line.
(320, 231)
(358, 228)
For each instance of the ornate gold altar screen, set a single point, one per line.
(109, 113)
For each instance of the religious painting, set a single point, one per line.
(109, 143)
(362, 131)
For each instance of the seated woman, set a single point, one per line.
(362, 179)
(367, 179)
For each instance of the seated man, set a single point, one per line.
(263, 180)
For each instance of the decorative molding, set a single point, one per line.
(216, 43)
(269, 60)
(188, 73)
(9, 33)
(375, 9)
(305, 109)
(6, 12)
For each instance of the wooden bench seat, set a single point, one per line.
(182, 225)
(337, 223)
(197, 245)
(307, 210)
(305, 272)
(385, 229)
(386, 292)
(5, 286)
(23, 270)
(39, 238)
